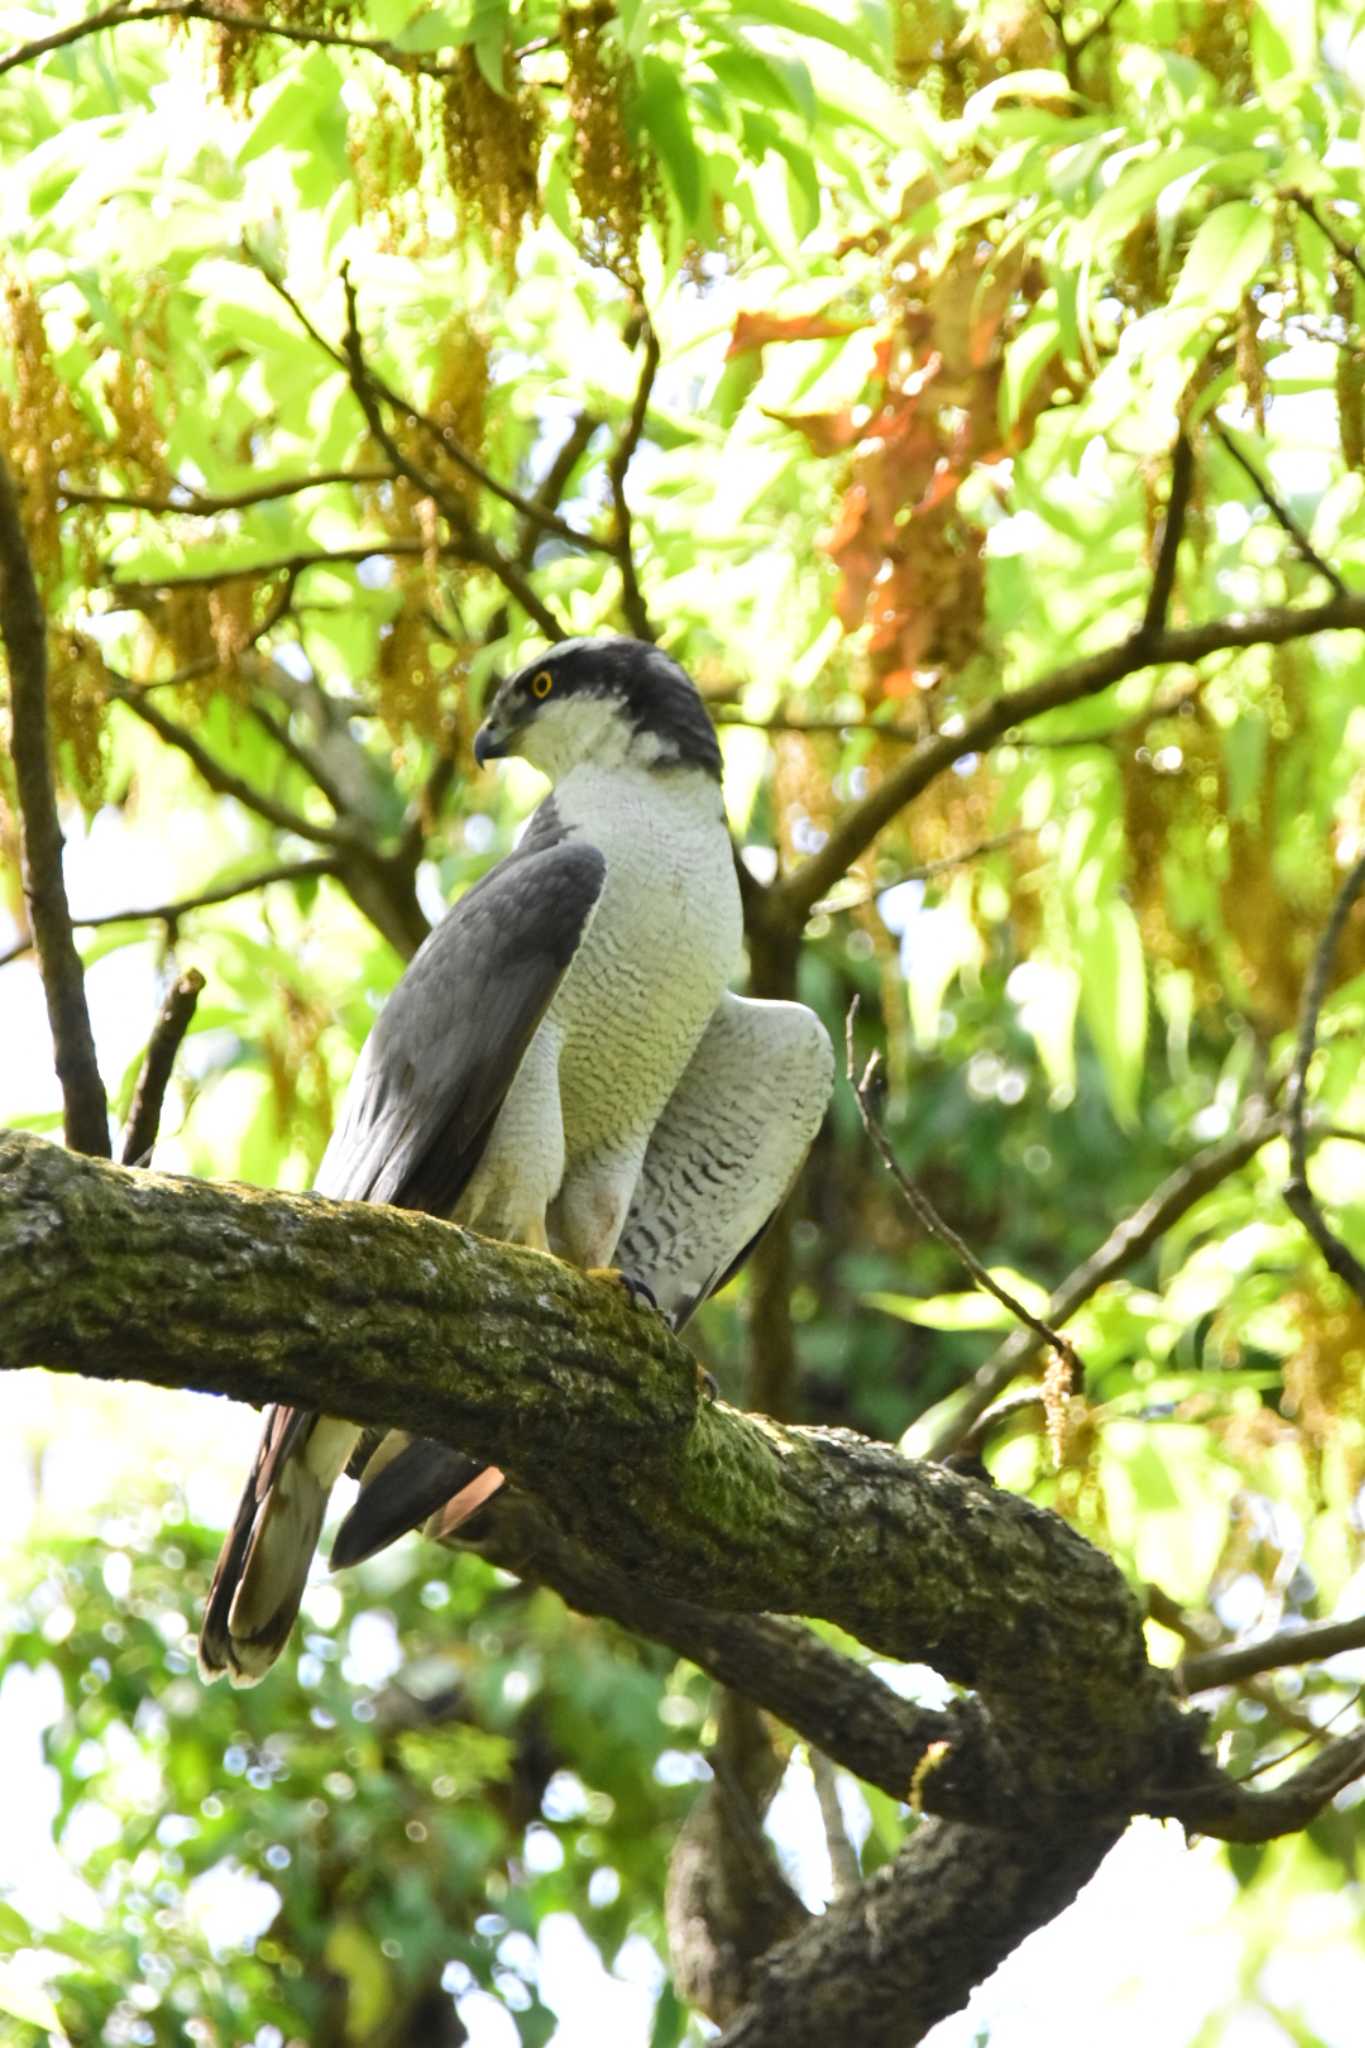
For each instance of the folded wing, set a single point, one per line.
(427, 1088)
(726, 1150)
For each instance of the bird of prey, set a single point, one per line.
(561, 1066)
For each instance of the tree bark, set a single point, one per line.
(691, 1521)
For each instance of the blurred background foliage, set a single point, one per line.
(844, 347)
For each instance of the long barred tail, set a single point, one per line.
(263, 1565)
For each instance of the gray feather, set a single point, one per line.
(726, 1150)
(438, 1064)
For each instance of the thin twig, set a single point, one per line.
(1347, 251)
(632, 598)
(928, 1217)
(474, 545)
(301, 754)
(23, 628)
(144, 1118)
(1278, 510)
(207, 505)
(1311, 1644)
(534, 509)
(1183, 646)
(835, 903)
(171, 914)
(224, 782)
(1314, 1734)
(554, 483)
(406, 61)
(1298, 1196)
(1168, 548)
(287, 565)
(1126, 1243)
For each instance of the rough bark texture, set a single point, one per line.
(693, 1523)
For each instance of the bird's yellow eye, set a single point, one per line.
(542, 683)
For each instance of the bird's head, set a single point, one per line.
(611, 702)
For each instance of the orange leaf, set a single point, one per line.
(828, 433)
(756, 330)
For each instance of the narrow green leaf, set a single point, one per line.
(822, 27)
(661, 110)
(1114, 999)
(1284, 43)
(1232, 244)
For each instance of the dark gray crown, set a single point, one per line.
(658, 696)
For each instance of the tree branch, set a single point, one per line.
(916, 1938)
(144, 1119)
(207, 505)
(475, 546)
(23, 627)
(1311, 1644)
(1125, 1245)
(170, 914)
(385, 1316)
(407, 61)
(1278, 511)
(1168, 548)
(225, 782)
(855, 831)
(632, 598)
(1298, 1196)
(391, 1317)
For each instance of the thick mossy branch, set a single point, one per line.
(386, 1316)
(596, 1409)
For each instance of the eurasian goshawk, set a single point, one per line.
(561, 1066)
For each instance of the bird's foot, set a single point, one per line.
(707, 1382)
(638, 1292)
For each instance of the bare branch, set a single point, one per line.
(23, 627)
(1347, 251)
(1233, 1814)
(927, 1216)
(1311, 1644)
(1278, 510)
(406, 61)
(289, 565)
(1168, 549)
(207, 505)
(225, 782)
(170, 914)
(475, 547)
(632, 598)
(1298, 1196)
(1124, 1246)
(144, 1119)
(859, 826)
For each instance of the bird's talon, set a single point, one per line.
(707, 1382)
(638, 1292)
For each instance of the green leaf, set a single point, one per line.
(489, 32)
(814, 22)
(1114, 999)
(1284, 45)
(1231, 246)
(661, 111)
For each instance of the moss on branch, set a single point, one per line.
(596, 1409)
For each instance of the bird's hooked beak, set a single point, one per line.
(489, 743)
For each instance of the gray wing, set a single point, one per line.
(726, 1150)
(436, 1068)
